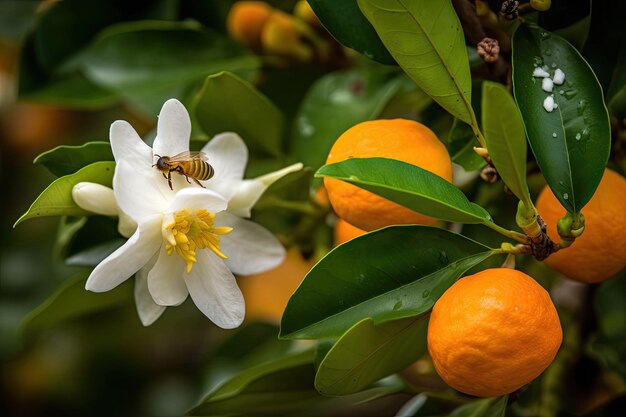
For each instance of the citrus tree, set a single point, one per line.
(466, 274)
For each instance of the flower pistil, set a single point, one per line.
(191, 230)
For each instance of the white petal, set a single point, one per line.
(250, 248)
(214, 290)
(126, 226)
(147, 309)
(249, 192)
(129, 258)
(195, 198)
(165, 280)
(173, 129)
(228, 155)
(95, 198)
(126, 144)
(137, 194)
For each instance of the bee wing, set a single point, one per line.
(189, 156)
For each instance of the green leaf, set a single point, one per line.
(427, 41)
(282, 387)
(148, 62)
(367, 353)
(387, 274)
(274, 385)
(486, 407)
(411, 186)
(460, 142)
(571, 143)
(56, 200)
(72, 90)
(59, 34)
(506, 141)
(345, 21)
(70, 301)
(358, 95)
(64, 160)
(476, 408)
(226, 103)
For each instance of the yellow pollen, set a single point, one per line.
(193, 231)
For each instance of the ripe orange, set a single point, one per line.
(493, 332)
(266, 294)
(404, 140)
(600, 252)
(344, 232)
(246, 20)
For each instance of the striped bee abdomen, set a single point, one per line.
(200, 170)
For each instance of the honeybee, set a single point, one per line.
(190, 164)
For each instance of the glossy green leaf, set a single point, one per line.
(486, 407)
(357, 95)
(227, 103)
(571, 143)
(460, 142)
(70, 301)
(411, 186)
(367, 353)
(59, 33)
(387, 274)
(64, 160)
(426, 39)
(148, 62)
(72, 91)
(274, 385)
(282, 387)
(345, 21)
(56, 200)
(503, 129)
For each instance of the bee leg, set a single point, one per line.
(169, 180)
(198, 182)
(164, 176)
(187, 178)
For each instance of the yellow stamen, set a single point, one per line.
(191, 231)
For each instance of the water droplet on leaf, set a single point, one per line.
(443, 257)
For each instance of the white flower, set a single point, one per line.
(100, 199)
(190, 240)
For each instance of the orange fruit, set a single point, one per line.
(344, 232)
(600, 252)
(400, 139)
(266, 294)
(246, 20)
(493, 332)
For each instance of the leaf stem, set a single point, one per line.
(303, 207)
(521, 238)
(479, 136)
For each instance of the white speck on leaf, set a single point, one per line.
(540, 72)
(549, 104)
(547, 85)
(559, 77)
